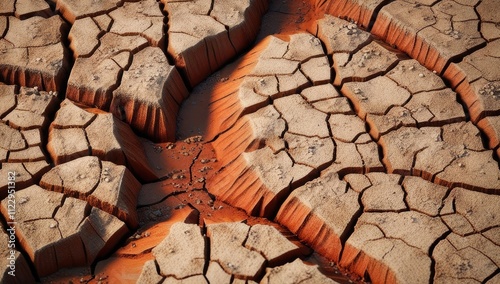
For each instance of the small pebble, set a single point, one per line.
(421, 75)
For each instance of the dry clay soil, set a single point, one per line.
(255, 141)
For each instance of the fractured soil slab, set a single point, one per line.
(291, 142)
(78, 132)
(24, 121)
(463, 161)
(408, 95)
(150, 95)
(386, 212)
(58, 232)
(320, 213)
(36, 57)
(237, 251)
(442, 31)
(371, 60)
(272, 70)
(119, 63)
(121, 56)
(478, 82)
(102, 184)
(204, 35)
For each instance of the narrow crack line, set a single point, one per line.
(26, 169)
(480, 252)
(175, 193)
(307, 59)
(405, 195)
(27, 48)
(489, 238)
(211, 8)
(413, 169)
(181, 278)
(182, 32)
(7, 25)
(431, 254)
(367, 129)
(192, 165)
(363, 164)
(86, 213)
(38, 219)
(389, 251)
(460, 57)
(350, 228)
(89, 153)
(491, 276)
(479, 20)
(208, 248)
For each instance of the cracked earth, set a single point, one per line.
(256, 141)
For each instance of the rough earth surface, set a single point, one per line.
(257, 141)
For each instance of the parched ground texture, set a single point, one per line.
(254, 141)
